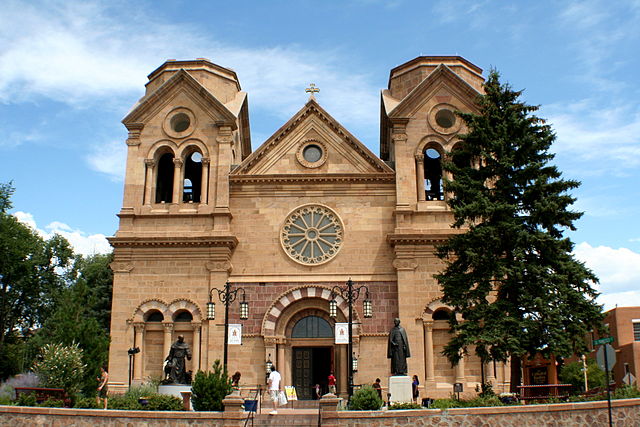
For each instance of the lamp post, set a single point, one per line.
(132, 352)
(350, 293)
(226, 297)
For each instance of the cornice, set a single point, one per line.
(307, 178)
(417, 238)
(208, 241)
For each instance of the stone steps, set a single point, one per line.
(288, 419)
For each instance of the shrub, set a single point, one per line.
(52, 403)
(164, 402)
(446, 403)
(7, 389)
(26, 399)
(486, 400)
(626, 392)
(365, 399)
(60, 366)
(124, 402)
(85, 402)
(572, 373)
(406, 405)
(209, 388)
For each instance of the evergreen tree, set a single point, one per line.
(510, 273)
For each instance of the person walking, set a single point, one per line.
(377, 387)
(102, 386)
(414, 387)
(331, 381)
(274, 388)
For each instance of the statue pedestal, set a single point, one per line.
(400, 389)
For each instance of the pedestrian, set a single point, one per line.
(102, 386)
(414, 386)
(235, 381)
(274, 388)
(317, 391)
(331, 380)
(377, 387)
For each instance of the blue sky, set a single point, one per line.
(70, 71)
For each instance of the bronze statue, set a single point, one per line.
(175, 369)
(398, 349)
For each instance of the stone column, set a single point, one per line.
(281, 364)
(460, 370)
(148, 181)
(195, 361)
(137, 359)
(420, 177)
(490, 373)
(168, 333)
(204, 190)
(177, 181)
(430, 377)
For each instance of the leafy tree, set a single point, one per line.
(511, 274)
(572, 373)
(29, 277)
(94, 273)
(60, 366)
(209, 388)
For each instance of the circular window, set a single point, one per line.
(312, 153)
(180, 122)
(445, 118)
(312, 235)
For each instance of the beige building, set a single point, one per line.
(309, 209)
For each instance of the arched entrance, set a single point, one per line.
(298, 336)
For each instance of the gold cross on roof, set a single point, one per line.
(312, 89)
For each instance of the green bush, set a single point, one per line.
(209, 388)
(164, 402)
(124, 402)
(85, 402)
(365, 399)
(406, 405)
(486, 400)
(572, 373)
(626, 392)
(446, 403)
(60, 366)
(26, 399)
(52, 403)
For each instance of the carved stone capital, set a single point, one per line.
(121, 267)
(135, 129)
(196, 326)
(405, 264)
(219, 266)
(177, 163)
(138, 327)
(225, 135)
(168, 326)
(420, 158)
(205, 160)
(270, 342)
(150, 163)
(399, 138)
(428, 325)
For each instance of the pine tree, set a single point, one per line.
(510, 273)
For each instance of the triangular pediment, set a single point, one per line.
(284, 153)
(182, 83)
(440, 82)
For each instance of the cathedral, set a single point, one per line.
(216, 241)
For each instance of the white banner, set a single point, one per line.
(235, 334)
(342, 333)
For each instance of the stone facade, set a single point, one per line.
(200, 209)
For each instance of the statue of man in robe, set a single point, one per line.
(175, 360)
(398, 349)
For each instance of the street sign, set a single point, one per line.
(607, 340)
(611, 357)
(629, 379)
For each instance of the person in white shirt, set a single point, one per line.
(274, 388)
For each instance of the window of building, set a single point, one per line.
(636, 330)
(445, 118)
(192, 184)
(154, 316)
(183, 316)
(164, 179)
(312, 327)
(433, 174)
(441, 314)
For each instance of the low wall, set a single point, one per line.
(626, 412)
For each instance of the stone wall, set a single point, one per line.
(625, 412)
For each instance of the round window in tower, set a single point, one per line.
(180, 122)
(445, 118)
(312, 153)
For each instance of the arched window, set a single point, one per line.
(192, 183)
(433, 174)
(441, 314)
(154, 316)
(164, 180)
(312, 327)
(183, 316)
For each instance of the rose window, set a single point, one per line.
(312, 234)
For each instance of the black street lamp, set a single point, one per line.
(350, 293)
(227, 296)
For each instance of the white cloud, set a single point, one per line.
(81, 242)
(618, 271)
(109, 158)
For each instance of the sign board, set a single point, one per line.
(342, 333)
(611, 356)
(457, 388)
(607, 340)
(629, 379)
(290, 391)
(235, 334)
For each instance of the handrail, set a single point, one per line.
(251, 414)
